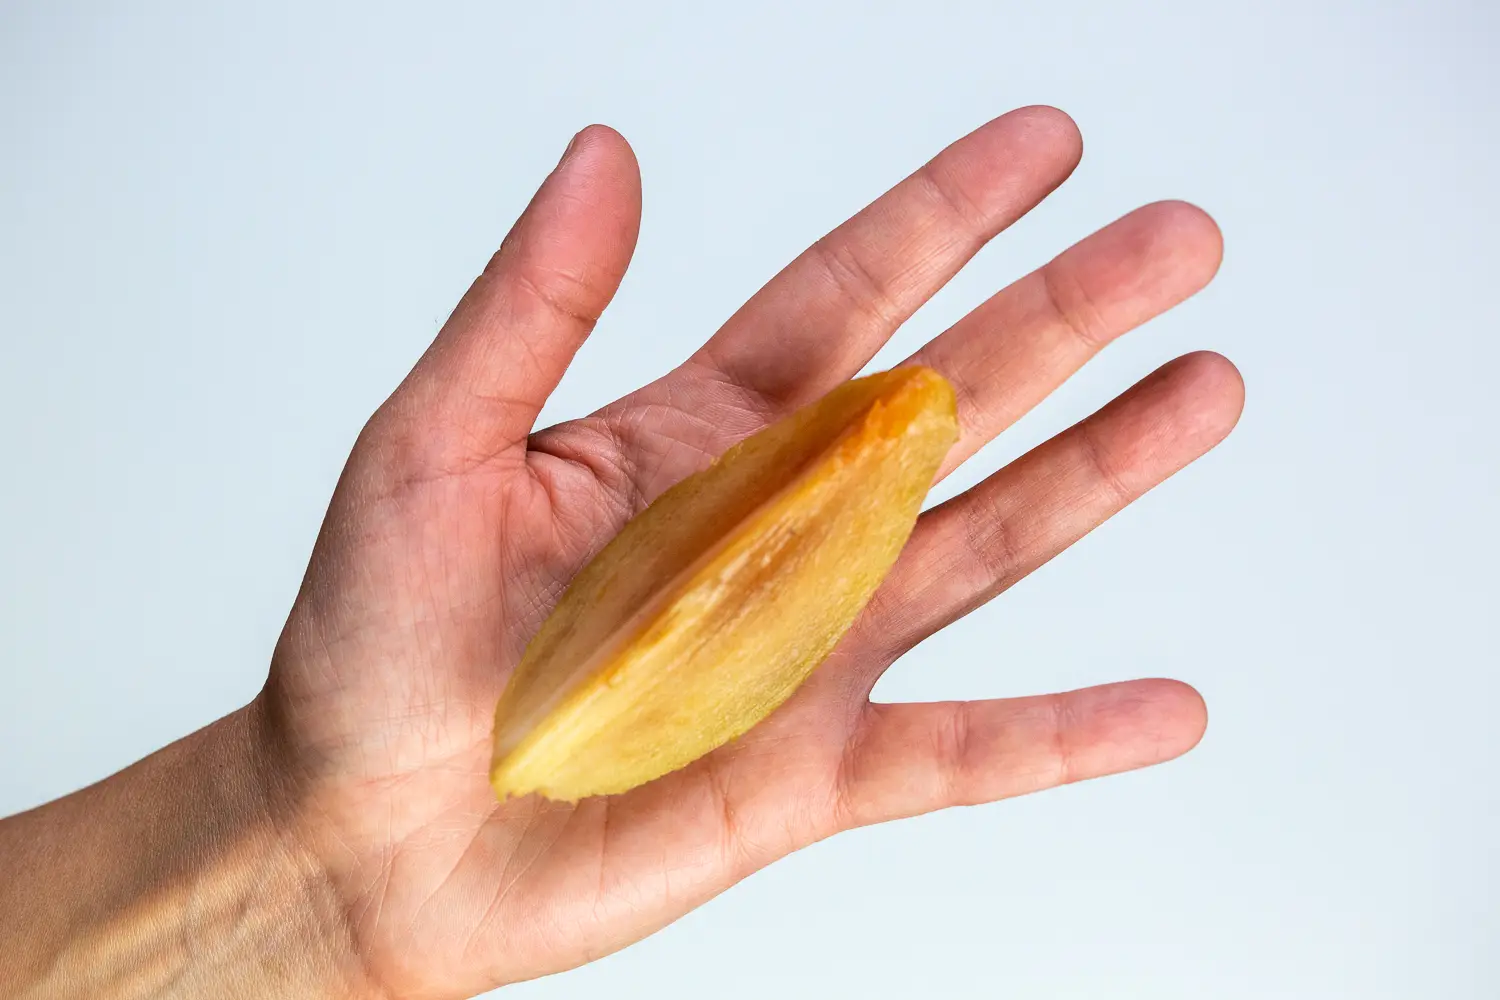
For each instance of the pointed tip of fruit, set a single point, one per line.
(501, 783)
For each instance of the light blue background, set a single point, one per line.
(224, 235)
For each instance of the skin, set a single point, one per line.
(338, 837)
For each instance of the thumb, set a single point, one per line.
(476, 392)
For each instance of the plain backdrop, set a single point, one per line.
(227, 230)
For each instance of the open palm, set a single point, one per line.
(456, 527)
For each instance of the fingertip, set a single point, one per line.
(1189, 223)
(1132, 724)
(1213, 393)
(1139, 723)
(1052, 123)
(599, 137)
(600, 173)
(601, 154)
(1008, 164)
(1171, 417)
(1183, 242)
(1183, 715)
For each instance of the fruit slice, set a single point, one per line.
(713, 604)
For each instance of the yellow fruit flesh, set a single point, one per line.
(710, 607)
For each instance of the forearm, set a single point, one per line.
(176, 877)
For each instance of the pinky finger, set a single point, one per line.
(908, 759)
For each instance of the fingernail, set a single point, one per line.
(572, 145)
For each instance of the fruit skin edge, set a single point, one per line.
(781, 587)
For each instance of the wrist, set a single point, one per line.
(183, 875)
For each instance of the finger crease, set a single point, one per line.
(1062, 750)
(556, 302)
(960, 736)
(995, 547)
(865, 293)
(1094, 452)
(1074, 308)
(954, 200)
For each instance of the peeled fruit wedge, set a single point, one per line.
(711, 607)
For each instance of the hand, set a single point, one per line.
(456, 527)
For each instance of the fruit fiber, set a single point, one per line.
(712, 605)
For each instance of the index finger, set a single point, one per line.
(819, 320)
